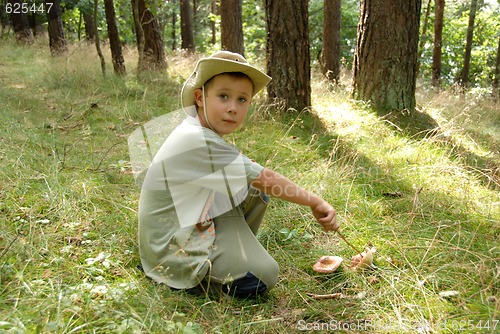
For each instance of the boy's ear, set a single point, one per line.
(198, 97)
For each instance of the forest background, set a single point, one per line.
(426, 197)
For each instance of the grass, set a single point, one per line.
(68, 245)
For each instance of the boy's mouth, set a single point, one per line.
(229, 121)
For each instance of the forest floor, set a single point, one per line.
(68, 208)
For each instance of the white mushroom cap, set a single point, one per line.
(363, 260)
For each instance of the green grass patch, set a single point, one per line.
(68, 244)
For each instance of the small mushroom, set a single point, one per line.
(363, 260)
(327, 264)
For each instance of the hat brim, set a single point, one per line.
(207, 68)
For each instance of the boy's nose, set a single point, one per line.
(231, 108)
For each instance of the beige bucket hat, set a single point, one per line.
(218, 63)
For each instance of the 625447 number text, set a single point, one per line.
(25, 8)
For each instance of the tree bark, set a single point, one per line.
(57, 41)
(464, 79)
(213, 10)
(149, 39)
(385, 60)
(288, 57)
(187, 33)
(97, 40)
(114, 39)
(231, 26)
(496, 80)
(330, 56)
(423, 37)
(21, 25)
(88, 21)
(438, 39)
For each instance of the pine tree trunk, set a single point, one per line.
(97, 40)
(88, 21)
(213, 10)
(57, 41)
(288, 58)
(437, 49)
(231, 26)
(330, 57)
(21, 25)
(385, 60)
(114, 38)
(152, 55)
(496, 80)
(464, 79)
(423, 37)
(187, 33)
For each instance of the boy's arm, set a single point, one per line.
(277, 185)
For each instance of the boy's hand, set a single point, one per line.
(325, 215)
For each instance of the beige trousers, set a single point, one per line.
(237, 254)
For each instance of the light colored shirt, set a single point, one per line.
(194, 177)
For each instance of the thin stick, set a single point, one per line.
(327, 296)
(347, 242)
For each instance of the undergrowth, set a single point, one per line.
(68, 208)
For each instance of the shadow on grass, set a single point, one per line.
(417, 126)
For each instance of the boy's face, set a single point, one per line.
(227, 100)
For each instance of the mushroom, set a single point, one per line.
(363, 260)
(327, 264)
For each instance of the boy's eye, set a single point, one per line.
(242, 99)
(223, 96)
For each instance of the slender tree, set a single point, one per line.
(332, 16)
(97, 40)
(288, 57)
(464, 77)
(20, 24)
(114, 38)
(423, 37)
(187, 32)
(385, 60)
(438, 40)
(496, 87)
(231, 26)
(57, 41)
(213, 11)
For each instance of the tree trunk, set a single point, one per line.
(187, 34)
(88, 21)
(385, 60)
(97, 41)
(213, 10)
(173, 35)
(21, 25)
(438, 39)
(57, 41)
(231, 26)
(496, 80)
(331, 39)
(423, 37)
(149, 39)
(288, 58)
(464, 79)
(114, 38)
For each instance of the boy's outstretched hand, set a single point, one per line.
(326, 215)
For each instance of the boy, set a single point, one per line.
(202, 201)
